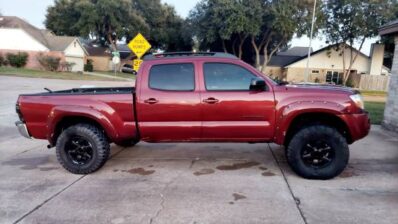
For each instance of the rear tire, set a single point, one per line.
(82, 149)
(318, 152)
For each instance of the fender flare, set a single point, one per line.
(108, 121)
(288, 113)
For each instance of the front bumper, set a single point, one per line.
(23, 130)
(358, 125)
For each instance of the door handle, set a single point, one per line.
(151, 101)
(210, 100)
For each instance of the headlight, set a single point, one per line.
(357, 99)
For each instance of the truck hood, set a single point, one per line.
(323, 87)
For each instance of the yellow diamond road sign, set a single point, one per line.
(136, 64)
(139, 45)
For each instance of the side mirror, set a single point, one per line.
(258, 84)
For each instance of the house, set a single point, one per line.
(126, 56)
(326, 64)
(16, 35)
(101, 57)
(276, 66)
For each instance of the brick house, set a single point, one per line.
(101, 57)
(391, 112)
(326, 64)
(16, 35)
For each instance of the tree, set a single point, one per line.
(268, 25)
(62, 18)
(104, 20)
(353, 21)
(280, 20)
(167, 29)
(108, 21)
(222, 21)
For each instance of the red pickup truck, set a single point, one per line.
(199, 97)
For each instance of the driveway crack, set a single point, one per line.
(296, 199)
(163, 199)
(159, 211)
(56, 194)
(47, 200)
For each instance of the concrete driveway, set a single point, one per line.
(187, 183)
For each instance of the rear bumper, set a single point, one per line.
(358, 125)
(23, 130)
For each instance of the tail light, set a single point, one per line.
(18, 110)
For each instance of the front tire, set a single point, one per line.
(318, 152)
(82, 149)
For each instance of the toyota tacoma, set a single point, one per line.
(199, 97)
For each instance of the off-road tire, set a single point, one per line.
(332, 137)
(92, 134)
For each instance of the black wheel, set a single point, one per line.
(318, 152)
(82, 149)
(127, 143)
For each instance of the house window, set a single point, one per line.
(315, 71)
(334, 77)
(74, 43)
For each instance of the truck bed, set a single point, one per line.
(111, 107)
(90, 90)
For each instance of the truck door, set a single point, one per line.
(168, 104)
(231, 111)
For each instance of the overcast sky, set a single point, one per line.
(34, 12)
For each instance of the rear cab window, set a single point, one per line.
(172, 77)
(226, 77)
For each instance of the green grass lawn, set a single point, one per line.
(31, 73)
(376, 111)
(373, 93)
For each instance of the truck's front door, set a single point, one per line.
(168, 104)
(231, 111)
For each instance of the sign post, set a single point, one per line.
(139, 46)
(115, 60)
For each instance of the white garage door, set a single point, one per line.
(79, 63)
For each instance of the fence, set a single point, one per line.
(374, 82)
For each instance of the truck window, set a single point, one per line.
(224, 76)
(172, 77)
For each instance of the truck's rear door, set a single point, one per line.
(169, 102)
(231, 111)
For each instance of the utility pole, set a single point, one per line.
(310, 44)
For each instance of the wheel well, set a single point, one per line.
(308, 119)
(66, 122)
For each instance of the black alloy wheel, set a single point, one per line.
(79, 150)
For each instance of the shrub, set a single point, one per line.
(67, 66)
(350, 83)
(89, 66)
(2, 60)
(49, 63)
(17, 60)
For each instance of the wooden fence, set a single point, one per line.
(374, 82)
(370, 82)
